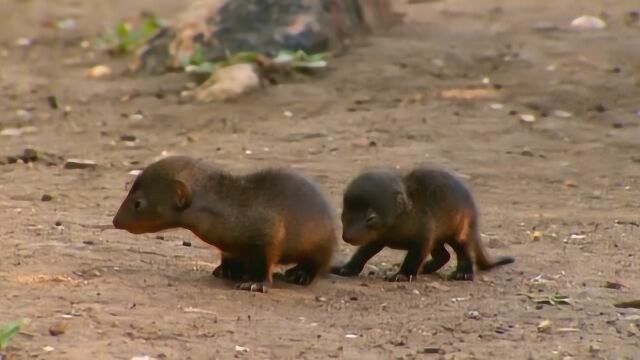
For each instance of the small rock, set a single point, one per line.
(544, 326)
(562, 114)
(24, 115)
(594, 348)
(137, 116)
(98, 71)
(129, 138)
(526, 152)
(599, 108)
(321, 299)
(588, 22)
(144, 357)
(351, 336)
(135, 172)
(416, 291)
(473, 315)
(570, 184)
(186, 243)
(48, 348)
(536, 236)
(58, 328)
(288, 114)
(242, 349)
(431, 350)
(529, 118)
(496, 106)
(88, 242)
(53, 102)
(72, 164)
(18, 131)
(46, 197)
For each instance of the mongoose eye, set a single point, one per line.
(137, 204)
(371, 219)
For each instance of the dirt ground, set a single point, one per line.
(574, 179)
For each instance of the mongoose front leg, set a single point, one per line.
(358, 260)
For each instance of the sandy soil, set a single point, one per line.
(574, 179)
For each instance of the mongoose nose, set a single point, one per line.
(116, 223)
(347, 238)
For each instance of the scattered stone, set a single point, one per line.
(53, 102)
(48, 348)
(570, 184)
(98, 71)
(473, 315)
(526, 152)
(88, 242)
(242, 349)
(562, 114)
(58, 328)
(599, 108)
(128, 138)
(73, 164)
(18, 131)
(529, 118)
(431, 350)
(186, 243)
(229, 82)
(536, 236)
(321, 299)
(588, 22)
(24, 114)
(351, 336)
(496, 106)
(46, 197)
(544, 326)
(137, 116)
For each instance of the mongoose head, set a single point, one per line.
(372, 203)
(156, 198)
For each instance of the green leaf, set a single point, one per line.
(8, 331)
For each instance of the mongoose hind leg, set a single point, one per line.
(300, 275)
(439, 258)
(355, 265)
(412, 262)
(230, 269)
(464, 266)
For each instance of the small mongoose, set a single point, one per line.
(257, 221)
(419, 212)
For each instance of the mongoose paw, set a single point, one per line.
(399, 277)
(253, 287)
(460, 275)
(298, 276)
(344, 271)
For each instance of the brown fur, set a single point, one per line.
(419, 212)
(257, 221)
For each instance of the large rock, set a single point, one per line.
(218, 27)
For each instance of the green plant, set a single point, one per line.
(125, 37)
(8, 331)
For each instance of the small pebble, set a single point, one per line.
(58, 328)
(46, 197)
(186, 243)
(73, 164)
(588, 22)
(527, 118)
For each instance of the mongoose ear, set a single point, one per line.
(182, 194)
(402, 202)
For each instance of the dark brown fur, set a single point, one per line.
(258, 221)
(419, 212)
